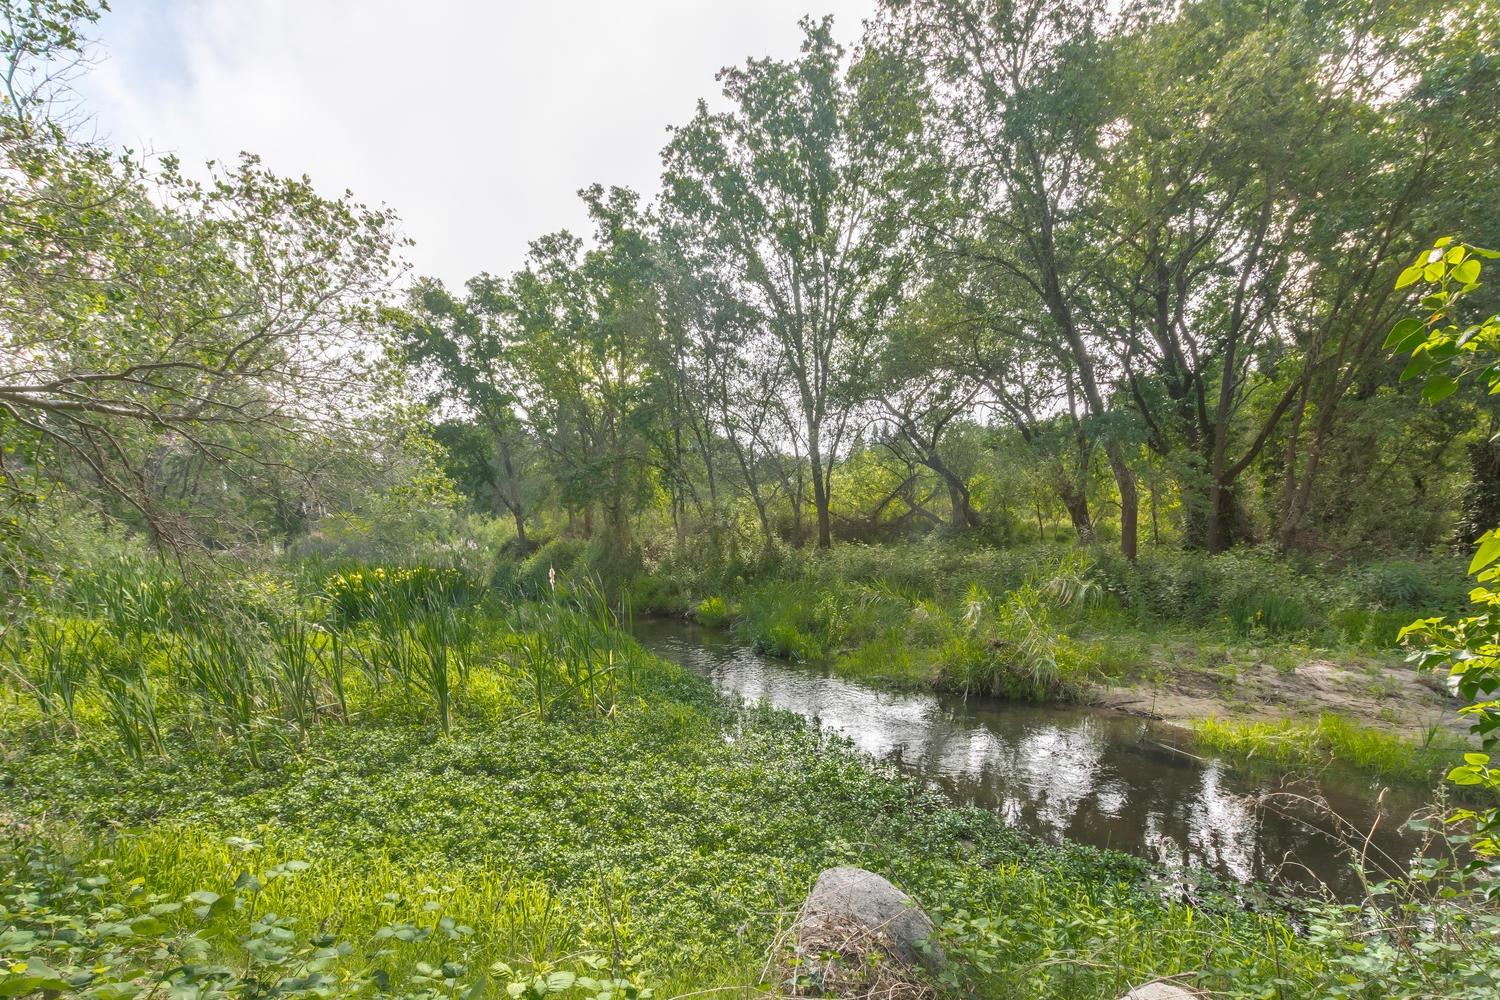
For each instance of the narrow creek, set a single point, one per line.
(1092, 776)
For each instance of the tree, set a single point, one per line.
(798, 199)
(1264, 180)
(585, 321)
(1024, 106)
(465, 347)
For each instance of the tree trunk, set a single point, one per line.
(820, 485)
(1061, 311)
(820, 503)
(1077, 504)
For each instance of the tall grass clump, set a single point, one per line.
(51, 660)
(1011, 646)
(1330, 739)
(249, 654)
(574, 652)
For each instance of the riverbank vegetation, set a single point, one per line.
(1032, 351)
(585, 813)
(456, 850)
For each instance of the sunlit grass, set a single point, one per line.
(1331, 738)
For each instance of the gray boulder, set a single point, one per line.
(853, 910)
(1162, 990)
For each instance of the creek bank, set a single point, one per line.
(1391, 698)
(1185, 683)
(1074, 773)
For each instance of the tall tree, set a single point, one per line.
(586, 320)
(467, 348)
(799, 198)
(1023, 112)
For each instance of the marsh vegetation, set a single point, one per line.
(1023, 362)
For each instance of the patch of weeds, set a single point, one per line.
(1315, 744)
(712, 612)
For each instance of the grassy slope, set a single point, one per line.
(677, 833)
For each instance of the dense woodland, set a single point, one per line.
(1020, 349)
(996, 269)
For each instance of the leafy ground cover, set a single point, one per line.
(582, 819)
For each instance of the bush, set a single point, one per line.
(558, 558)
(1438, 585)
(1010, 647)
(712, 612)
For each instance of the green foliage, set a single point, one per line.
(1332, 738)
(74, 927)
(1011, 647)
(1434, 933)
(713, 612)
(1444, 351)
(362, 593)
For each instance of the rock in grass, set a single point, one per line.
(860, 916)
(1161, 990)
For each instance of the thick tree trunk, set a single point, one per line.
(1077, 504)
(1124, 475)
(961, 515)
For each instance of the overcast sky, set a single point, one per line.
(477, 121)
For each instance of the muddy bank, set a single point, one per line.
(1388, 696)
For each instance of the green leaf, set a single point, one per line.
(1488, 552)
(1403, 331)
(147, 926)
(1409, 276)
(1467, 272)
(1415, 367)
(1477, 759)
(1439, 388)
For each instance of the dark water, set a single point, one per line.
(1087, 775)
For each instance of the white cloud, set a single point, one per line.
(476, 121)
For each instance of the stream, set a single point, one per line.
(1092, 776)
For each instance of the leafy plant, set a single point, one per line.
(1444, 351)
(712, 612)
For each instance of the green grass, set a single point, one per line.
(713, 612)
(435, 787)
(1331, 738)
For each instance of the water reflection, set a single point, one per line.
(1089, 776)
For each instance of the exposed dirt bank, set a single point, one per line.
(1383, 695)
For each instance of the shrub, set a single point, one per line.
(1011, 648)
(712, 612)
